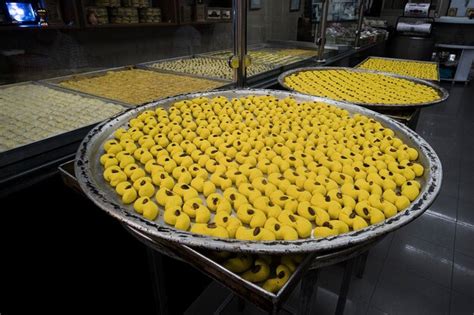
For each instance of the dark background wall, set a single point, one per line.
(42, 54)
(39, 54)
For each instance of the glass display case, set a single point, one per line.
(342, 23)
(90, 59)
(339, 10)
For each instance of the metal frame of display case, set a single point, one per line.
(359, 23)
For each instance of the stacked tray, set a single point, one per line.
(424, 70)
(441, 92)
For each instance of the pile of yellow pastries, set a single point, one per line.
(209, 67)
(410, 68)
(136, 86)
(360, 87)
(274, 56)
(269, 272)
(260, 168)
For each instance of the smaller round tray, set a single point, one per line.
(443, 94)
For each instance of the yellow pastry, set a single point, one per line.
(254, 234)
(239, 263)
(281, 231)
(302, 225)
(275, 284)
(175, 217)
(253, 217)
(260, 271)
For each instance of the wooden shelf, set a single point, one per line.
(129, 25)
(37, 28)
(207, 22)
(78, 9)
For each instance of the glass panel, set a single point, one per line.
(79, 62)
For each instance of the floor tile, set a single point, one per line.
(451, 167)
(465, 212)
(360, 289)
(433, 228)
(324, 301)
(434, 125)
(467, 166)
(466, 189)
(450, 183)
(463, 274)
(461, 304)
(375, 311)
(400, 291)
(327, 301)
(467, 159)
(380, 250)
(209, 300)
(248, 308)
(445, 204)
(442, 145)
(465, 238)
(422, 258)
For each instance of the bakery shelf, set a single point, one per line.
(37, 28)
(130, 25)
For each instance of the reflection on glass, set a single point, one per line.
(21, 11)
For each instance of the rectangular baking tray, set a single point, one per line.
(56, 81)
(399, 59)
(274, 71)
(279, 68)
(148, 66)
(23, 158)
(274, 44)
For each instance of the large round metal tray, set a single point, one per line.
(89, 174)
(443, 94)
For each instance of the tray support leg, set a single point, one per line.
(155, 262)
(346, 280)
(308, 283)
(361, 262)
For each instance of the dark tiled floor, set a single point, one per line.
(426, 267)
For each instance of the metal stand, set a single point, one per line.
(361, 262)
(359, 24)
(155, 264)
(321, 41)
(346, 281)
(307, 291)
(240, 61)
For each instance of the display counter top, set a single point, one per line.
(331, 56)
(454, 20)
(23, 162)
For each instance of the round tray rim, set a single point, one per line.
(444, 94)
(86, 181)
